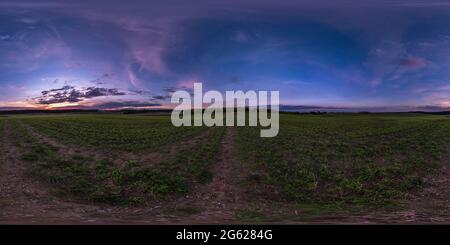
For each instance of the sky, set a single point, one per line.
(369, 55)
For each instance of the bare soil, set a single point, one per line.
(218, 201)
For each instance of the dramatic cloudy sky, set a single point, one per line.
(114, 54)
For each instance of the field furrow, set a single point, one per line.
(100, 180)
(116, 133)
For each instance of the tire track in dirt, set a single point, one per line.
(21, 197)
(119, 159)
(219, 200)
(25, 200)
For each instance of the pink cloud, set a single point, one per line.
(413, 62)
(189, 84)
(136, 82)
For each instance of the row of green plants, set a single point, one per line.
(367, 160)
(131, 183)
(112, 132)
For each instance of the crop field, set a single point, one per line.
(366, 160)
(115, 133)
(99, 179)
(141, 166)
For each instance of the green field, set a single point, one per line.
(334, 162)
(346, 158)
(125, 133)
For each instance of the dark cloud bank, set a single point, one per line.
(71, 94)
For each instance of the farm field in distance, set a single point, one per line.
(331, 168)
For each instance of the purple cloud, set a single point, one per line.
(72, 95)
(413, 62)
